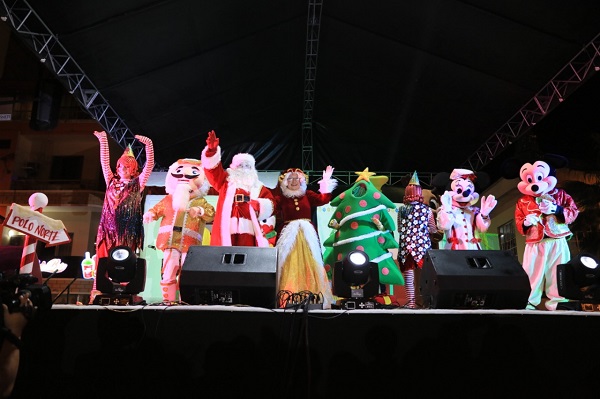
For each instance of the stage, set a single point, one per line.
(153, 351)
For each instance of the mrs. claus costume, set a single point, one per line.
(300, 260)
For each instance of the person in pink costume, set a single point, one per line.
(243, 201)
(121, 220)
(415, 224)
(460, 220)
(184, 214)
(542, 215)
(300, 258)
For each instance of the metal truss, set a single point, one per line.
(313, 25)
(38, 37)
(563, 84)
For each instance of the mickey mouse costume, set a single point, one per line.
(542, 215)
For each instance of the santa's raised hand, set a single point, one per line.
(212, 141)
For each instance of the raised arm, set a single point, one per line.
(145, 175)
(104, 156)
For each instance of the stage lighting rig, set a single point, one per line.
(120, 277)
(579, 281)
(356, 281)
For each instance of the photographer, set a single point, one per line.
(10, 342)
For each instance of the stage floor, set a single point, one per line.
(233, 351)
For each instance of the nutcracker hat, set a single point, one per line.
(238, 159)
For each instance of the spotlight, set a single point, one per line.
(356, 281)
(120, 277)
(579, 280)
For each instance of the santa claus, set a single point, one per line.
(184, 213)
(243, 203)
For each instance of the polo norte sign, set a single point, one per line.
(35, 224)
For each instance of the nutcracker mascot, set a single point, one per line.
(543, 215)
(184, 213)
(461, 221)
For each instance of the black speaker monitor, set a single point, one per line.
(229, 275)
(46, 106)
(473, 279)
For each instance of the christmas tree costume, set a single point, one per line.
(361, 221)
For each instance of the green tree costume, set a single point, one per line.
(361, 220)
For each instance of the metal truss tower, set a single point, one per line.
(313, 26)
(38, 37)
(563, 84)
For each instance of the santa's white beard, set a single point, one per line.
(181, 196)
(243, 178)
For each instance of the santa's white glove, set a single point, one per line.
(487, 205)
(196, 211)
(547, 207)
(149, 217)
(446, 200)
(531, 220)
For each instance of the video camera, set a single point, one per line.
(12, 287)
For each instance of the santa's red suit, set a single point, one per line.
(240, 209)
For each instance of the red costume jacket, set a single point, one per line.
(551, 226)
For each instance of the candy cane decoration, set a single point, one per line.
(30, 263)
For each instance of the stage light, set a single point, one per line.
(579, 280)
(120, 277)
(356, 281)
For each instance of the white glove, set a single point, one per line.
(149, 217)
(531, 220)
(446, 200)
(196, 211)
(547, 207)
(328, 172)
(487, 205)
(327, 184)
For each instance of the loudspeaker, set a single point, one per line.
(46, 105)
(229, 275)
(473, 279)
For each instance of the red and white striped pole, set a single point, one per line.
(30, 264)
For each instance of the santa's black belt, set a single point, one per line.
(241, 198)
(178, 229)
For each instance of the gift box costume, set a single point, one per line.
(415, 224)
